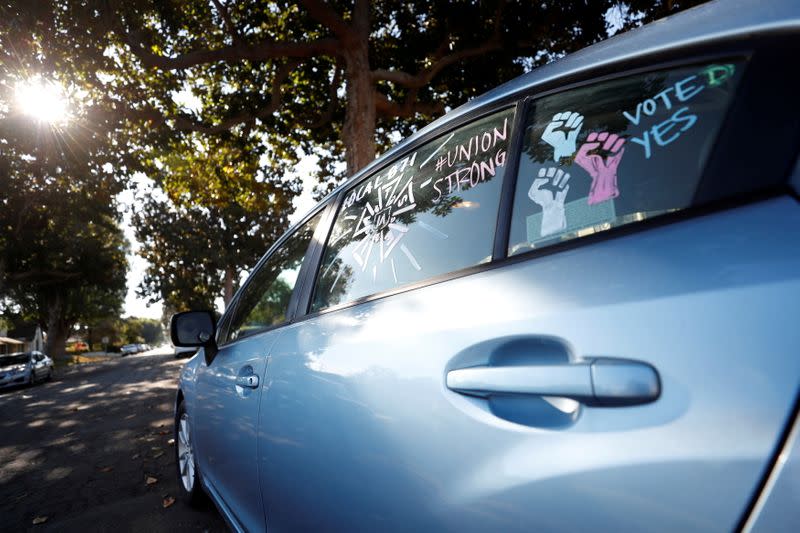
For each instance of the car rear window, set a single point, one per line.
(432, 212)
(616, 152)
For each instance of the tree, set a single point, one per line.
(141, 330)
(331, 78)
(64, 255)
(62, 252)
(196, 253)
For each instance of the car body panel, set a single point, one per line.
(225, 418)
(778, 508)
(357, 396)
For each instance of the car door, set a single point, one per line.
(629, 366)
(229, 389)
(38, 365)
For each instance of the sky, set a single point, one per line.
(138, 307)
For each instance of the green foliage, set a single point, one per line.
(62, 252)
(141, 330)
(192, 250)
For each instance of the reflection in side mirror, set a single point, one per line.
(195, 329)
(192, 328)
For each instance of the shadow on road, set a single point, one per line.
(79, 451)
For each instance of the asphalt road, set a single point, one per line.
(79, 450)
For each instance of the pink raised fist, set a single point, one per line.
(603, 170)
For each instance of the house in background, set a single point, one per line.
(25, 338)
(9, 345)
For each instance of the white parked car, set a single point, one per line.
(129, 349)
(24, 368)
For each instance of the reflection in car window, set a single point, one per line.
(432, 212)
(265, 300)
(616, 152)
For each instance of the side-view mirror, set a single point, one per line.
(195, 329)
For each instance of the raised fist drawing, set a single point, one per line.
(603, 170)
(562, 132)
(551, 199)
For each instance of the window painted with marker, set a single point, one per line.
(432, 212)
(617, 152)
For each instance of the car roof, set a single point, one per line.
(716, 20)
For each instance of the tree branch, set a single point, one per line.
(327, 116)
(424, 77)
(236, 52)
(361, 20)
(45, 276)
(187, 123)
(226, 19)
(442, 61)
(276, 99)
(325, 15)
(407, 109)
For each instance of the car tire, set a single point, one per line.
(190, 488)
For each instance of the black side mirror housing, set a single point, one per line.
(195, 329)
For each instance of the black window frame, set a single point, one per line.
(752, 101)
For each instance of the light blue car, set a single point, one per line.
(571, 304)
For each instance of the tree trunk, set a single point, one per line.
(57, 328)
(359, 123)
(229, 288)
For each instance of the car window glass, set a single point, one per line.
(431, 212)
(265, 300)
(616, 152)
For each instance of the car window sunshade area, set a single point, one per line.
(617, 152)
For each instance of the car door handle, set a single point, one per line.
(601, 382)
(250, 382)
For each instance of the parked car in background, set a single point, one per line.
(129, 349)
(568, 305)
(24, 368)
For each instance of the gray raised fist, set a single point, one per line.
(551, 199)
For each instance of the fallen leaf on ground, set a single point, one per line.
(171, 442)
(39, 520)
(165, 432)
(169, 500)
(151, 480)
(107, 469)
(135, 456)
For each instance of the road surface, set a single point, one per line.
(78, 451)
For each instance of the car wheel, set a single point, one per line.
(189, 485)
